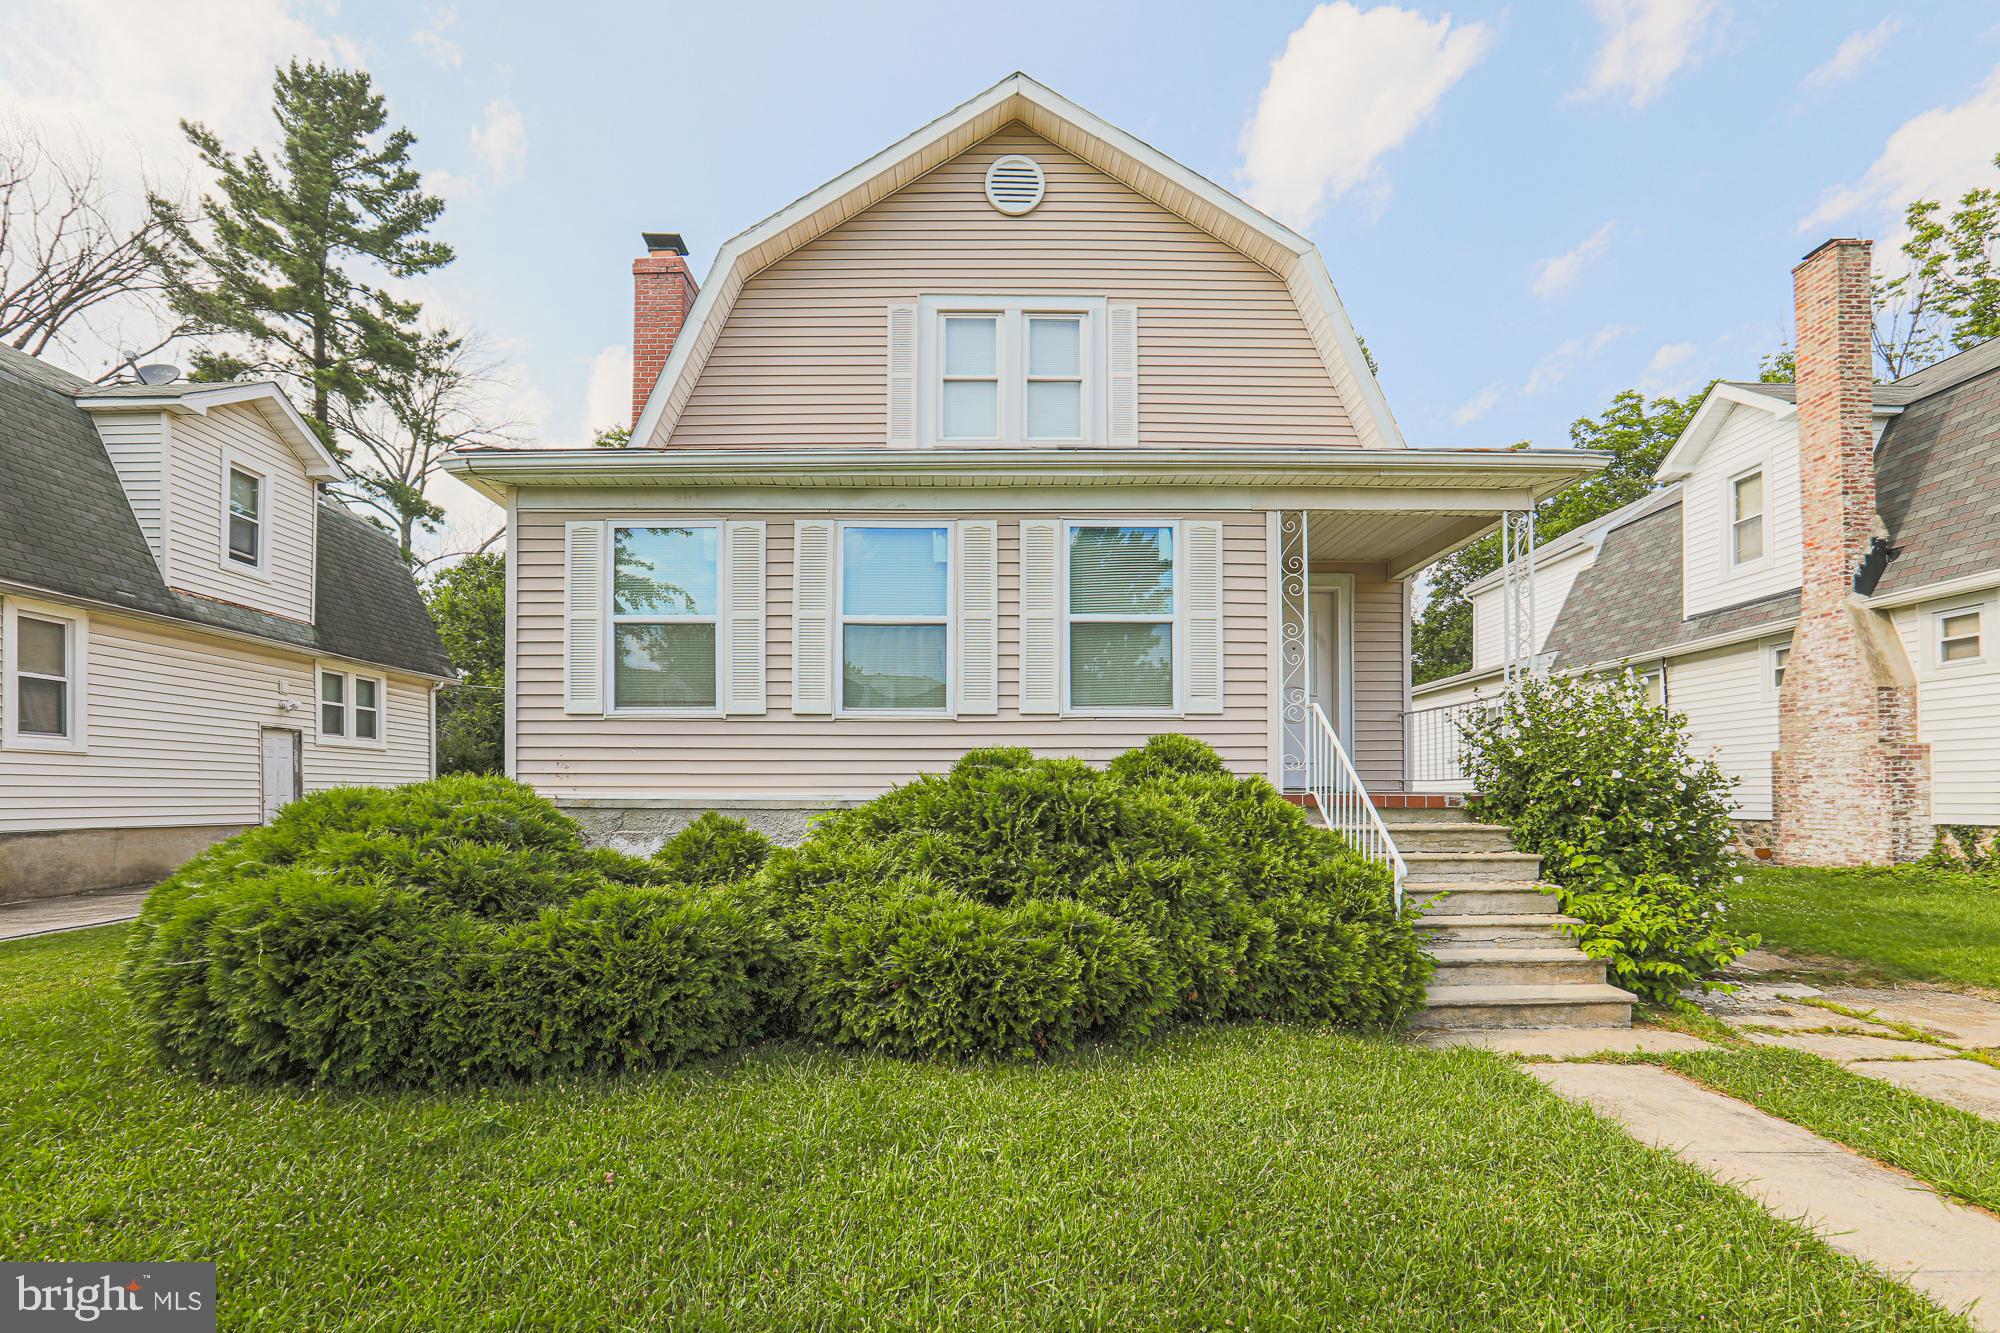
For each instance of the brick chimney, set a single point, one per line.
(662, 293)
(1852, 783)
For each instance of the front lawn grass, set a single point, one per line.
(1276, 1177)
(1909, 923)
(1954, 1150)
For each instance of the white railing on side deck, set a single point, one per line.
(1343, 803)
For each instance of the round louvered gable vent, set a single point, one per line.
(1015, 184)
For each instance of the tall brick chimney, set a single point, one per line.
(1852, 783)
(662, 293)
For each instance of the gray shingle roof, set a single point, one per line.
(67, 528)
(1628, 603)
(1935, 476)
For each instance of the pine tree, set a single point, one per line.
(272, 264)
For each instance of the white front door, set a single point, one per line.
(281, 770)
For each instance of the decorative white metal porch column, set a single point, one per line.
(1295, 664)
(1517, 600)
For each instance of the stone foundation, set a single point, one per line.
(638, 827)
(1756, 838)
(66, 861)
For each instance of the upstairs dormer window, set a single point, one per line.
(1008, 370)
(1746, 518)
(243, 519)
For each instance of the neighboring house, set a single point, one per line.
(1019, 433)
(189, 635)
(1892, 710)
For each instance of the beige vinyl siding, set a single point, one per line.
(195, 559)
(1747, 438)
(136, 443)
(1732, 712)
(1224, 357)
(1553, 580)
(1957, 713)
(173, 724)
(780, 754)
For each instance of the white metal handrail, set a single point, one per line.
(1343, 802)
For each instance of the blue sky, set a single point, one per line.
(1525, 207)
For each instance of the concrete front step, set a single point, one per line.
(1460, 867)
(1441, 837)
(1503, 964)
(1473, 899)
(1529, 929)
(1453, 814)
(1533, 1005)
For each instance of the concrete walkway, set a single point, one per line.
(1949, 1252)
(45, 916)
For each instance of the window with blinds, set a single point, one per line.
(1012, 370)
(663, 617)
(895, 609)
(1120, 606)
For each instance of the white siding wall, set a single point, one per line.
(1732, 712)
(136, 442)
(780, 754)
(1553, 580)
(1958, 714)
(173, 723)
(1748, 437)
(194, 554)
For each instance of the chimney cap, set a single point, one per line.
(656, 241)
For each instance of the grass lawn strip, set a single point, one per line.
(1906, 923)
(1283, 1176)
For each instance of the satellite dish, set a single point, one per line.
(159, 372)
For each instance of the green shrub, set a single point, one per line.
(1017, 905)
(1634, 830)
(451, 930)
(714, 849)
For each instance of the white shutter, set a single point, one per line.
(1122, 390)
(812, 616)
(1201, 584)
(1041, 616)
(903, 375)
(584, 655)
(743, 618)
(978, 616)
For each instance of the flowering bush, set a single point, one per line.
(1633, 829)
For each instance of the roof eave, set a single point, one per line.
(273, 403)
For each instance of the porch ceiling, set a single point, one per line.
(1406, 540)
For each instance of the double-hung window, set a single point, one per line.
(1121, 609)
(350, 707)
(895, 618)
(1006, 370)
(45, 677)
(663, 617)
(1746, 518)
(1958, 636)
(1780, 654)
(243, 539)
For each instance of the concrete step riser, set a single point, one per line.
(1441, 932)
(1590, 1014)
(1488, 902)
(1445, 838)
(1473, 867)
(1456, 814)
(1541, 972)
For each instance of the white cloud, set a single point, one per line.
(1646, 43)
(607, 394)
(1351, 85)
(435, 42)
(1935, 155)
(1554, 368)
(1559, 273)
(1476, 406)
(1852, 54)
(500, 142)
(1660, 374)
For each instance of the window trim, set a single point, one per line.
(612, 620)
(840, 617)
(1777, 655)
(1977, 607)
(232, 461)
(1731, 520)
(1011, 365)
(76, 656)
(348, 676)
(1177, 618)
